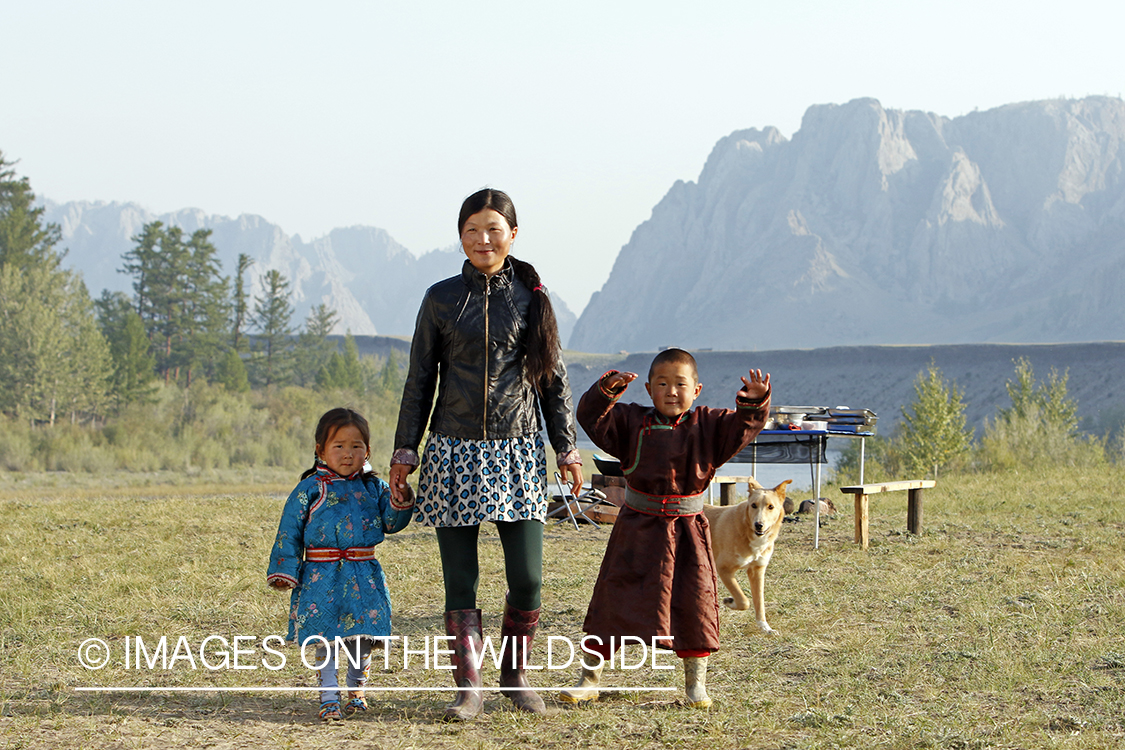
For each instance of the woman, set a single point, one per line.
(486, 341)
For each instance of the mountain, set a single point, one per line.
(374, 283)
(877, 226)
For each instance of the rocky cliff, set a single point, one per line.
(879, 226)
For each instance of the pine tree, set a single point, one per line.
(132, 362)
(240, 305)
(159, 266)
(390, 379)
(54, 360)
(353, 372)
(206, 307)
(342, 371)
(181, 298)
(933, 432)
(24, 239)
(313, 346)
(232, 372)
(272, 314)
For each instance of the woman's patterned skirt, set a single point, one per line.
(467, 482)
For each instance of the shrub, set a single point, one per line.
(1040, 428)
(932, 434)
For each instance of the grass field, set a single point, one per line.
(1002, 626)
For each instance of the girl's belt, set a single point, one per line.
(687, 505)
(331, 554)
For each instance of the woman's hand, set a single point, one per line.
(756, 388)
(281, 584)
(573, 473)
(397, 481)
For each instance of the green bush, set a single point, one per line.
(1032, 439)
(200, 428)
(1039, 429)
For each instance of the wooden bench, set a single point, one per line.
(728, 487)
(914, 489)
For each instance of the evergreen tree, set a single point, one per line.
(272, 314)
(390, 379)
(159, 266)
(240, 305)
(24, 239)
(53, 359)
(232, 372)
(181, 298)
(342, 371)
(132, 363)
(313, 346)
(332, 374)
(205, 305)
(933, 432)
(353, 373)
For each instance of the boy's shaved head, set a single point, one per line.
(676, 357)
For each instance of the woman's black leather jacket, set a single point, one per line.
(469, 345)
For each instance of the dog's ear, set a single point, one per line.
(780, 489)
(754, 484)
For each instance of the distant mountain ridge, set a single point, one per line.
(374, 283)
(876, 226)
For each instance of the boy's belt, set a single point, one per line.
(331, 554)
(659, 505)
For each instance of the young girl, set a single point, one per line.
(325, 553)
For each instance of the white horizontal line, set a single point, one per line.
(144, 689)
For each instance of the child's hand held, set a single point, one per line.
(397, 482)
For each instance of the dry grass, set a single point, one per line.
(999, 627)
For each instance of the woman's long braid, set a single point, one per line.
(543, 343)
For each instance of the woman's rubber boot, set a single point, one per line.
(464, 626)
(695, 682)
(586, 689)
(517, 633)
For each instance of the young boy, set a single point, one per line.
(657, 577)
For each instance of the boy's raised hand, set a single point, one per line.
(618, 381)
(756, 388)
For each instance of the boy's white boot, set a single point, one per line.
(586, 689)
(695, 682)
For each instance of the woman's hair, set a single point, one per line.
(543, 331)
(497, 200)
(332, 420)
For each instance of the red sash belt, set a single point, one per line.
(331, 554)
(657, 505)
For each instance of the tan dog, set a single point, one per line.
(742, 538)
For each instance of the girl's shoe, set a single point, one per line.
(357, 703)
(330, 711)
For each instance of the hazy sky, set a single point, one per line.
(320, 115)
